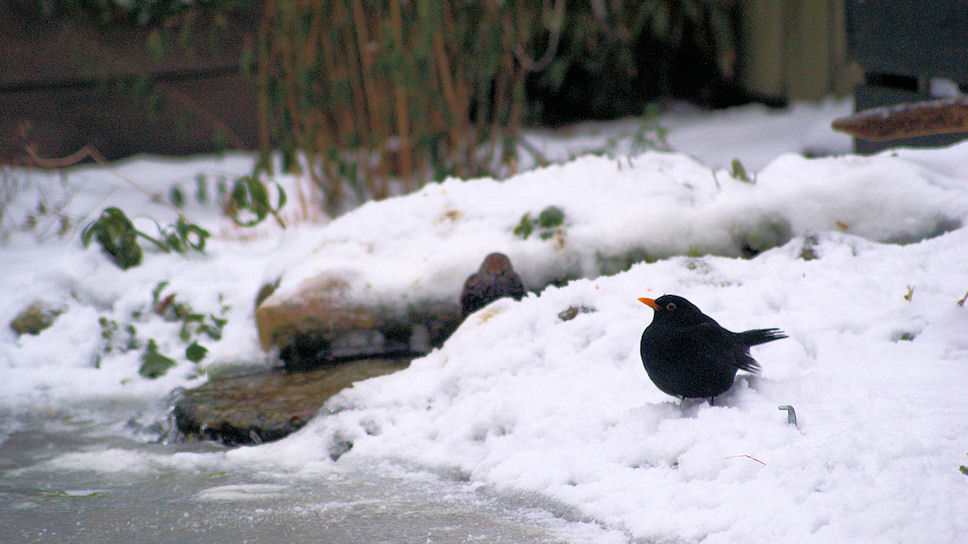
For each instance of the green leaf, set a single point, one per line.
(191, 234)
(154, 364)
(195, 352)
(116, 235)
(738, 172)
(551, 217)
(176, 196)
(525, 227)
(201, 189)
(250, 194)
(156, 292)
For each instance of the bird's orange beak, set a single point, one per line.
(650, 303)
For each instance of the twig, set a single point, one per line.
(748, 457)
(90, 151)
(63, 162)
(78, 156)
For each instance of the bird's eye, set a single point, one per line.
(671, 306)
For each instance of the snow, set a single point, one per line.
(863, 266)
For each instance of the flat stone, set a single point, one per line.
(266, 406)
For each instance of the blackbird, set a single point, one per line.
(688, 355)
(495, 279)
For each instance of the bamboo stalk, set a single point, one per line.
(400, 97)
(357, 97)
(341, 109)
(450, 97)
(366, 67)
(262, 78)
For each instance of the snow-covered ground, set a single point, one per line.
(866, 282)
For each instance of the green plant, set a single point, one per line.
(525, 227)
(650, 133)
(194, 326)
(154, 364)
(909, 294)
(195, 352)
(738, 172)
(551, 217)
(249, 202)
(547, 223)
(381, 94)
(118, 237)
(116, 337)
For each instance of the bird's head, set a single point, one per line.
(496, 263)
(675, 310)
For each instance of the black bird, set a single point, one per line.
(495, 279)
(688, 355)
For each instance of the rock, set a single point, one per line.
(35, 318)
(320, 323)
(256, 408)
(320, 305)
(572, 312)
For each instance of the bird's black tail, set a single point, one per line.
(761, 336)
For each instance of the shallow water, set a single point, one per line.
(94, 473)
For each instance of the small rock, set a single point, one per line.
(572, 312)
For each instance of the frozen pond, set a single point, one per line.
(59, 484)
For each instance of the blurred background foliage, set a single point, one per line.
(136, 12)
(370, 98)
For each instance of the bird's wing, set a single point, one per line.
(515, 287)
(718, 346)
